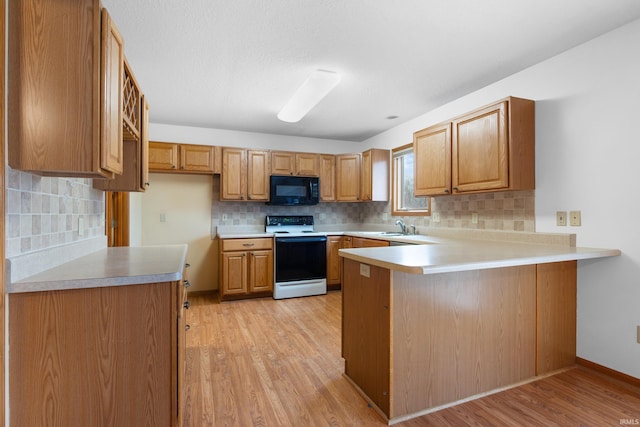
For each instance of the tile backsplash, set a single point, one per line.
(44, 212)
(508, 211)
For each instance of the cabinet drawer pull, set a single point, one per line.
(187, 304)
(446, 190)
(248, 244)
(186, 283)
(187, 327)
(187, 265)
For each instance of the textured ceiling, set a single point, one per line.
(233, 64)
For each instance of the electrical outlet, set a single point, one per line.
(225, 217)
(561, 218)
(163, 217)
(80, 226)
(474, 218)
(574, 219)
(435, 216)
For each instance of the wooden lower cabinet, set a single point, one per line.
(364, 242)
(334, 262)
(96, 357)
(246, 268)
(414, 342)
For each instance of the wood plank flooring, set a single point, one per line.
(277, 363)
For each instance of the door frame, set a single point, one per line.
(117, 218)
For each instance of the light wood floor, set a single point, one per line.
(277, 363)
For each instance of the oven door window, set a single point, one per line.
(301, 258)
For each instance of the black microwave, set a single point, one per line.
(294, 190)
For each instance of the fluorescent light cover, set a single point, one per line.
(316, 87)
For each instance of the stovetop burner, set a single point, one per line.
(289, 224)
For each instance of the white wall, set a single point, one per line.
(185, 203)
(587, 159)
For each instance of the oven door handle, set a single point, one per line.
(301, 239)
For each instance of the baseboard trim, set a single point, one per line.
(628, 379)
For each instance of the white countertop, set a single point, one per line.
(448, 255)
(109, 267)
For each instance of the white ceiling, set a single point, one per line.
(232, 64)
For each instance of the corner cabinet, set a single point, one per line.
(245, 175)
(489, 149)
(246, 268)
(97, 356)
(65, 104)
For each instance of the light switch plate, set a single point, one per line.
(574, 219)
(435, 216)
(561, 218)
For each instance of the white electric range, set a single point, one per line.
(300, 256)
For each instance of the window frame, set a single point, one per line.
(396, 188)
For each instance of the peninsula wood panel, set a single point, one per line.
(459, 334)
(94, 357)
(366, 330)
(556, 302)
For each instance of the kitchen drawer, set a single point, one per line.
(246, 244)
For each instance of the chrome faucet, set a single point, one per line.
(402, 226)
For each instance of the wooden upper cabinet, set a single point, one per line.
(327, 178)
(348, 177)
(196, 158)
(233, 179)
(245, 174)
(282, 163)
(307, 164)
(112, 73)
(290, 163)
(135, 174)
(184, 158)
(65, 71)
(432, 154)
(163, 156)
(490, 149)
(258, 175)
(374, 179)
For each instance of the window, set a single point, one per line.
(403, 200)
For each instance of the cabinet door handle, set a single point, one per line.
(244, 254)
(187, 327)
(446, 190)
(455, 188)
(187, 304)
(187, 265)
(248, 244)
(187, 283)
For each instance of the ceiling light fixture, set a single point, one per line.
(316, 87)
